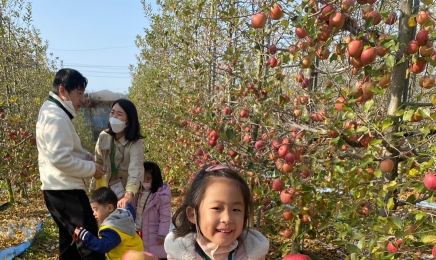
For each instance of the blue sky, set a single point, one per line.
(95, 37)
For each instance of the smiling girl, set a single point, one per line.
(212, 222)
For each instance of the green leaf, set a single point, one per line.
(429, 239)
(390, 186)
(378, 173)
(390, 204)
(408, 115)
(230, 133)
(387, 43)
(386, 123)
(356, 235)
(411, 198)
(424, 112)
(390, 60)
(375, 141)
(352, 248)
(419, 216)
(395, 222)
(361, 129)
(285, 23)
(368, 104)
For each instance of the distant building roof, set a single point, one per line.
(106, 95)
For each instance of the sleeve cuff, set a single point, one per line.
(82, 234)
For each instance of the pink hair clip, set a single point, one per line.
(217, 167)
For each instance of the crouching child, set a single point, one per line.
(116, 234)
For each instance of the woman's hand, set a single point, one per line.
(128, 197)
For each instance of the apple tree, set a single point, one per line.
(25, 72)
(325, 107)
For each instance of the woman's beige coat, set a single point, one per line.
(129, 161)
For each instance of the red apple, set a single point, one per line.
(296, 257)
(392, 18)
(287, 215)
(386, 165)
(305, 83)
(337, 20)
(419, 66)
(276, 12)
(287, 196)
(326, 12)
(299, 77)
(392, 248)
(300, 33)
(283, 150)
(259, 144)
(138, 255)
(430, 181)
(422, 17)
(421, 37)
(287, 233)
(426, 50)
(306, 62)
(427, 82)
(199, 152)
(375, 16)
(433, 251)
(350, 124)
(227, 111)
(412, 47)
(355, 48)
(278, 185)
(368, 55)
(243, 113)
(347, 4)
(272, 49)
(258, 20)
(290, 158)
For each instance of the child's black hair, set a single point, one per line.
(104, 196)
(156, 175)
(195, 195)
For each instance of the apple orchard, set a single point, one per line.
(326, 108)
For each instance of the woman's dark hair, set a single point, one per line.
(195, 195)
(70, 79)
(156, 175)
(104, 196)
(133, 129)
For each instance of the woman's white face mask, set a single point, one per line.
(117, 125)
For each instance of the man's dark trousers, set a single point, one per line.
(71, 209)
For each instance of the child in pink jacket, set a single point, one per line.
(152, 204)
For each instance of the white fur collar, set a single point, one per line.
(183, 248)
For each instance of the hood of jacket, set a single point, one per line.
(256, 245)
(162, 191)
(121, 219)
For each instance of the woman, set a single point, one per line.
(119, 151)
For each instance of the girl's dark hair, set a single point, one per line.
(195, 195)
(70, 79)
(104, 196)
(133, 129)
(156, 175)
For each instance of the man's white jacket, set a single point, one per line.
(61, 157)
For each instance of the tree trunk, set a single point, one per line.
(11, 198)
(296, 237)
(398, 83)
